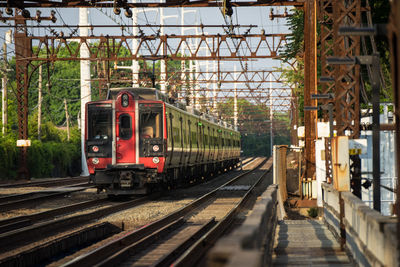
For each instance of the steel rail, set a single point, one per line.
(26, 220)
(167, 259)
(30, 197)
(39, 255)
(36, 232)
(193, 254)
(47, 183)
(98, 255)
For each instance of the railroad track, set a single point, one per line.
(14, 232)
(185, 234)
(18, 201)
(11, 239)
(76, 181)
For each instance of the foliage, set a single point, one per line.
(295, 78)
(54, 156)
(295, 46)
(8, 157)
(254, 124)
(61, 80)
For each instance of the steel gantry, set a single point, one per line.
(117, 48)
(342, 81)
(125, 4)
(214, 47)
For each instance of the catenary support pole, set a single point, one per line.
(40, 87)
(310, 85)
(4, 97)
(135, 45)
(85, 84)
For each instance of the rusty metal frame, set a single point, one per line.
(23, 63)
(347, 77)
(310, 85)
(167, 3)
(108, 48)
(346, 83)
(149, 47)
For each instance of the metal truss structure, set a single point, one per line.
(216, 48)
(144, 4)
(198, 47)
(343, 81)
(40, 49)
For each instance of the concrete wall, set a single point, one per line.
(370, 236)
(251, 244)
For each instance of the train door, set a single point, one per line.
(125, 129)
(182, 143)
(170, 138)
(200, 141)
(198, 145)
(190, 142)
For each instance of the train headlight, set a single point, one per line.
(156, 160)
(95, 149)
(95, 161)
(156, 148)
(125, 100)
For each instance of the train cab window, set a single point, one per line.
(99, 122)
(125, 126)
(150, 121)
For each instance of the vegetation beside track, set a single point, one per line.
(52, 156)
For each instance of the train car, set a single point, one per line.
(138, 140)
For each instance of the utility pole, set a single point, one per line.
(163, 65)
(135, 45)
(67, 118)
(271, 116)
(235, 103)
(215, 85)
(85, 84)
(183, 63)
(4, 96)
(40, 102)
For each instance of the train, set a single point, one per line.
(139, 140)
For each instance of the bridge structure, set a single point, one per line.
(371, 238)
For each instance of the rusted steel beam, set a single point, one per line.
(110, 4)
(23, 53)
(310, 84)
(347, 77)
(94, 26)
(204, 47)
(325, 18)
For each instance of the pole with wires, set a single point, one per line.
(235, 103)
(40, 102)
(85, 84)
(163, 65)
(4, 97)
(135, 45)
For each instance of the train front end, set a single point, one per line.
(126, 144)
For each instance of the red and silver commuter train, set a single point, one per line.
(137, 140)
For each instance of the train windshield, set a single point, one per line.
(99, 121)
(150, 124)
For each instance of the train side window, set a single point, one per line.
(150, 121)
(125, 126)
